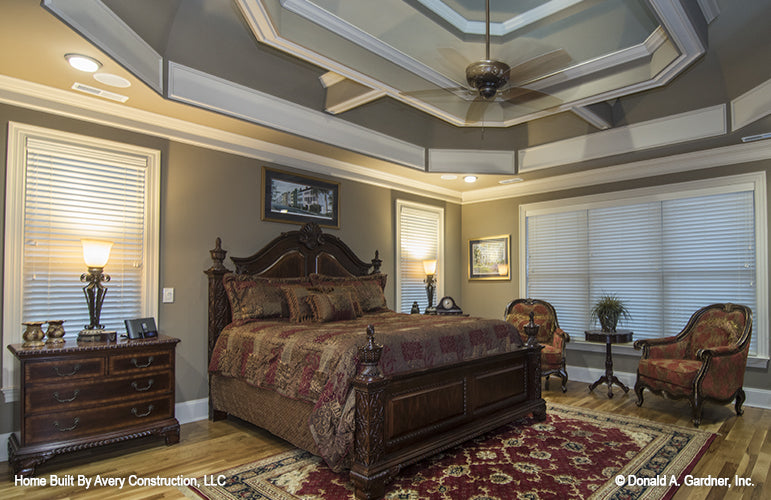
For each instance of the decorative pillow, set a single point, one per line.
(368, 290)
(299, 309)
(337, 305)
(255, 297)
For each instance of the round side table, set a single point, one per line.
(609, 338)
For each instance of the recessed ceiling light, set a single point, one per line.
(511, 181)
(83, 63)
(470, 178)
(112, 80)
(449, 177)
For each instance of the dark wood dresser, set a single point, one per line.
(80, 395)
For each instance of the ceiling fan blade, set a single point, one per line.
(521, 96)
(476, 110)
(435, 92)
(540, 65)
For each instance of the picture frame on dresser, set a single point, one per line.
(83, 395)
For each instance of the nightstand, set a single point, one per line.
(81, 395)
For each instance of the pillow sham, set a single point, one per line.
(337, 305)
(299, 309)
(256, 297)
(368, 290)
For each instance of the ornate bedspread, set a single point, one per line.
(317, 362)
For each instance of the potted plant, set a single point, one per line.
(608, 310)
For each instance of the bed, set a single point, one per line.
(366, 388)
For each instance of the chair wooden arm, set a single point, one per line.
(639, 344)
(562, 333)
(723, 350)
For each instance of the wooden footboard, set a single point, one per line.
(409, 417)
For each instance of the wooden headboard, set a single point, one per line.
(291, 254)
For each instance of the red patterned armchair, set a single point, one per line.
(550, 335)
(705, 361)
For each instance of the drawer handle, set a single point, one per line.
(135, 412)
(137, 365)
(67, 429)
(74, 395)
(142, 389)
(73, 372)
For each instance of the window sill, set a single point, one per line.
(628, 350)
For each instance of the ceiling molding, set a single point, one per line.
(697, 160)
(477, 161)
(688, 126)
(473, 27)
(206, 91)
(93, 20)
(751, 106)
(90, 109)
(675, 28)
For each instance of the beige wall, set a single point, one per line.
(207, 194)
(489, 298)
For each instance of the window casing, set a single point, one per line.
(62, 187)
(666, 251)
(419, 237)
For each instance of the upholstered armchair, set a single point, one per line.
(550, 335)
(705, 361)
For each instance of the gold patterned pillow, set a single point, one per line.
(368, 290)
(337, 305)
(299, 309)
(255, 297)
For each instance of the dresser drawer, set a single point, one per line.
(66, 368)
(40, 398)
(139, 361)
(71, 424)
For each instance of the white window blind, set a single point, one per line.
(665, 258)
(63, 187)
(73, 193)
(420, 234)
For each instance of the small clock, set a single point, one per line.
(447, 305)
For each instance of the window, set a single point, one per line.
(60, 188)
(666, 252)
(419, 237)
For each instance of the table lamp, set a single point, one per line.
(96, 253)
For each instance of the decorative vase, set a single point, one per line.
(33, 335)
(55, 332)
(608, 323)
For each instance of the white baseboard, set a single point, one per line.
(758, 398)
(186, 412)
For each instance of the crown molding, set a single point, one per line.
(683, 127)
(697, 160)
(69, 104)
(751, 106)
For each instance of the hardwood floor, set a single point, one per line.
(742, 448)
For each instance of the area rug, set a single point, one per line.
(575, 453)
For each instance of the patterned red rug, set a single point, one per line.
(575, 453)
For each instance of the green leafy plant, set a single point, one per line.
(608, 309)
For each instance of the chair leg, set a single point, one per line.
(740, 397)
(697, 402)
(564, 375)
(638, 389)
(546, 383)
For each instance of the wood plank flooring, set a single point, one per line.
(742, 448)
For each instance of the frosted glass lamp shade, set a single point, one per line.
(96, 253)
(429, 266)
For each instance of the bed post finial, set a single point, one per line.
(370, 357)
(217, 256)
(376, 262)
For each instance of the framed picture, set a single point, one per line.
(298, 199)
(488, 258)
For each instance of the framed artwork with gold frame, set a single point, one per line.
(488, 258)
(297, 199)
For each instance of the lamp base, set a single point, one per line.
(97, 335)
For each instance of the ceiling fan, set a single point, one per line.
(489, 79)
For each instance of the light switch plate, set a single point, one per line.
(168, 295)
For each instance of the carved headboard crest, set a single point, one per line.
(311, 235)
